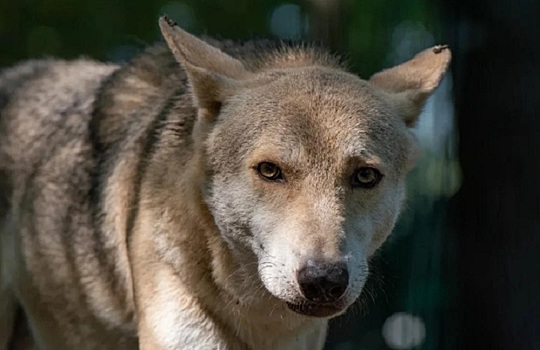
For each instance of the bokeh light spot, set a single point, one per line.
(404, 331)
(286, 21)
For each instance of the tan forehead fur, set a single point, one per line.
(319, 114)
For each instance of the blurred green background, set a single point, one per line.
(408, 301)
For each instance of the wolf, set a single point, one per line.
(206, 195)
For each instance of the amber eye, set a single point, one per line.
(270, 171)
(366, 177)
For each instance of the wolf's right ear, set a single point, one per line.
(213, 74)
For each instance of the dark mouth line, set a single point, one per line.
(314, 309)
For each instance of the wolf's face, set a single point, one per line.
(305, 163)
(308, 172)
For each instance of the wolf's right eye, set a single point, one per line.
(270, 171)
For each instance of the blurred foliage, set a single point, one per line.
(409, 273)
(97, 28)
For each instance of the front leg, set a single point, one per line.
(170, 315)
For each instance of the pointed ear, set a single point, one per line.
(213, 75)
(414, 81)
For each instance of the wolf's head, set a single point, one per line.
(305, 162)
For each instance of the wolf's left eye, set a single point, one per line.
(270, 171)
(366, 177)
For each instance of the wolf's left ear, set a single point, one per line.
(412, 82)
(213, 74)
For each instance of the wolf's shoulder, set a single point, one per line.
(38, 88)
(44, 103)
(15, 80)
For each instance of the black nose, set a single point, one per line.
(323, 283)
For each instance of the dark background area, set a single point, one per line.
(461, 270)
(497, 210)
